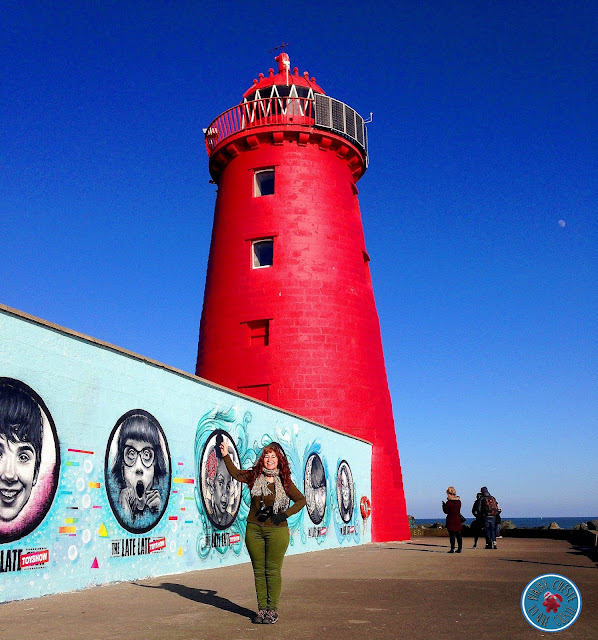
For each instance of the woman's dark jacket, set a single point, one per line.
(452, 508)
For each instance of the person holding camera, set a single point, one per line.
(267, 533)
(454, 519)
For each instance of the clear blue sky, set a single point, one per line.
(480, 205)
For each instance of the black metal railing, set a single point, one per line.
(322, 112)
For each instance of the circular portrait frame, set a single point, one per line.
(220, 492)
(316, 488)
(28, 487)
(138, 477)
(345, 491)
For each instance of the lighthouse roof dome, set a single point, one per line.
(283, 80)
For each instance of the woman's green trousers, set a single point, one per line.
(267, 546)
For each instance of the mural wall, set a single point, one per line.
(110, 467)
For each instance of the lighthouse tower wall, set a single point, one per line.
(317, 294)
(77, 527)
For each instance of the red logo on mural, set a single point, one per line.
(35, 558)
(157, 544)
(234, 538)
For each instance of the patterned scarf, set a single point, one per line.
(260, 488)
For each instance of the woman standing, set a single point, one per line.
(452, 508)
(267, 534)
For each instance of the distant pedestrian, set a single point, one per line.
(489, 510)
(454, 520)
(477, 525)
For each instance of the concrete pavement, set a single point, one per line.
(378, 591)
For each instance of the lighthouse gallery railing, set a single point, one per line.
(323, 112)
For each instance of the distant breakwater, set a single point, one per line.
(583, 533)
(564, 522)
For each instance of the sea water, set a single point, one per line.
(563, 522)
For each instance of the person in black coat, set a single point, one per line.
(478, 524)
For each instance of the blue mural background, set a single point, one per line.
(87, 386)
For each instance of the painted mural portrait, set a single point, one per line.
(315, 488)
(138, 471)
(345, 491)
(29, 460)
(220, 492)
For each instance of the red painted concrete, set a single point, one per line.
(324, 359)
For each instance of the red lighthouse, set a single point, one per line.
(289, 315)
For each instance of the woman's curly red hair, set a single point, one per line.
(283, 466)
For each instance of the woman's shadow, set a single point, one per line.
(203, 596)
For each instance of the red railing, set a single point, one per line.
(259, 113)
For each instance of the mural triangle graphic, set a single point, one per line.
(94, 564)
(102, 531)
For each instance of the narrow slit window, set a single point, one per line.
(264, 182)
(262, 252)
(258, 333)
(366, 262)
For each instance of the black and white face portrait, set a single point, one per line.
(29, 460)
(220, 492)
(345, 491)
(138, 471)
(315, 488)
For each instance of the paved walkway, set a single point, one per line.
(377, 591)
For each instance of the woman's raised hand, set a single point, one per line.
(224, 447)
